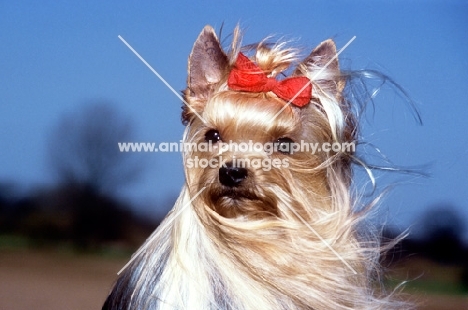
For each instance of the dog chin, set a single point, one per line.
(240, 203)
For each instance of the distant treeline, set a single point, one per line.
(73, 214)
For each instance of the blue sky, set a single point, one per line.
(55, 56)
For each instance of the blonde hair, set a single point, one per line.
(294, 242)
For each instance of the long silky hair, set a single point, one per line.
(292, 240)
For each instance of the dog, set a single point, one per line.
(263, 227)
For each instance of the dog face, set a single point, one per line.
(258, 161)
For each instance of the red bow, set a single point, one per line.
(247, 76)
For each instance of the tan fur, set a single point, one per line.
(284, 238)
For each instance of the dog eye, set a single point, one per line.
(213, 136)
(284, 145)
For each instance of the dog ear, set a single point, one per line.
(323, 59)
(207, 65)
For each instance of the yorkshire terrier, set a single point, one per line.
(261, 228)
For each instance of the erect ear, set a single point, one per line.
(207, 64)
(322, 66)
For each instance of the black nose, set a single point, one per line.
(231, 176)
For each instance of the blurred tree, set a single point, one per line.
(83, 149)
(442, 230)
(85, 156)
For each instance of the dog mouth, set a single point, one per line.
(233, 194)
(240, 202)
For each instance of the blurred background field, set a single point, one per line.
(46, 279)
(73, 208)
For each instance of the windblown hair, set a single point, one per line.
(285, 238)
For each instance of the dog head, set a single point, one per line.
(265, 151)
